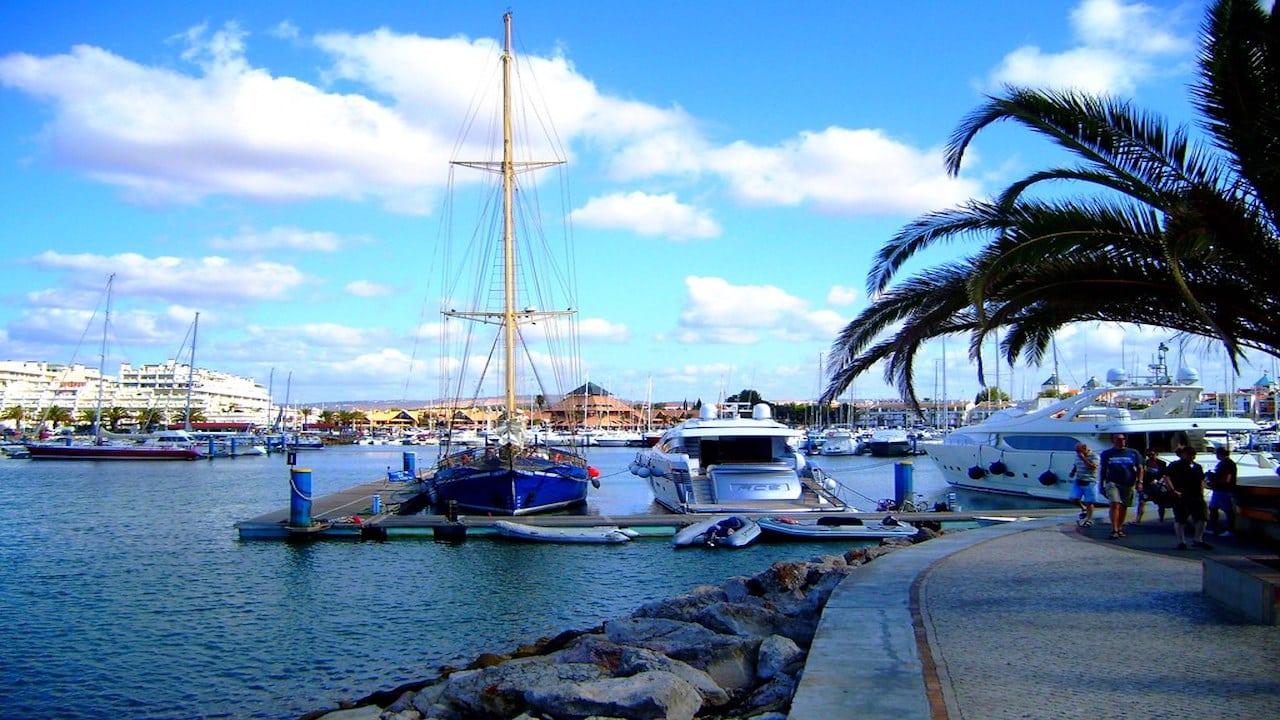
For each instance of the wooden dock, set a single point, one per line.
(349, 514)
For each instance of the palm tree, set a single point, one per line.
(187, 417)
(1171, 233)
(57, 415)
(149, 418)
(16, 413)
(113, 416)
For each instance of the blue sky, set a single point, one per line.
(278, 167)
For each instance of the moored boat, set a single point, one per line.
(1031, 452)
(835, 527)
(725, 462)
(734, 531)
(512, 474)
(890, 442)
(598, 534)
(165, 445)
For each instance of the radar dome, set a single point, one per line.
(1188, 376)
(1117, 376)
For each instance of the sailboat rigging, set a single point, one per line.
(515, 476)
(172, 445)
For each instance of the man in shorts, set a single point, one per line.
(1185, 480)
(1120, 468)
(1084, 475)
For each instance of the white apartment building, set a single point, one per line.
(218, 396)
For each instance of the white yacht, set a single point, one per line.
(890, 442)
(1031, 453)
(839, 440)
(723, 462)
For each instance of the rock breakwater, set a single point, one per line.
(734, 650)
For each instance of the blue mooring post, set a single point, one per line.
(299, 497)
(210, 448)
(902, 477)
(411, 464)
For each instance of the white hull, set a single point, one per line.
(843, 530)
(734, 531)
(535, 533)
(1030, 454)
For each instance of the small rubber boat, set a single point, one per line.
(538, 533)
(835, 527)
(734, 531)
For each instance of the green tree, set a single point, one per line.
(991, 394)
(186, 418)
(150, 418)
(56, 415)
(16, 413)
(113, 416)
(751, 397)
(1157, 229)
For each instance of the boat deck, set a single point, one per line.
(349, 514)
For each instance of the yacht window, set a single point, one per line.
(736, 450)
(1041, 442)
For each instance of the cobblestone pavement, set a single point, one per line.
(1053, 623)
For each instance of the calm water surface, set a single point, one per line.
(126, 593)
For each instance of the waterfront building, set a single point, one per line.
(217, 396)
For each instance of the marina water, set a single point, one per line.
(126, 592)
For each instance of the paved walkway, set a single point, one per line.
(1039, 620)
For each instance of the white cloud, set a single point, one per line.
(165, 137)
(289, 238)
(842, 295)
(601, 329)
(841, 171)
(1119, 45)
(193, 281)
(649, 215)
(718, 312)
(365, 288)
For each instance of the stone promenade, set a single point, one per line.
(1039, 620)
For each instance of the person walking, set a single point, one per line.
(1083, 488)
(1223, 485)
(1120, 471)
(1184, 479)
(1153, 487)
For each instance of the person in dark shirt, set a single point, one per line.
(1184, 479)
(1153, 487)
(1120, 471)
(1223, 486)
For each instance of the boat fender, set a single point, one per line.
(1048, 477)
(643, 472)
(595, 483)
(634, 468)
(829, 484)
(976, 472)
(998, 467)
(890, 521)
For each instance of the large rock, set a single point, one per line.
(499, 691)
(638, 697)
(775, 655)
(625, 661)
(728, 659)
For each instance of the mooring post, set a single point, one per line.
(299, 497)
(902, 482)
(411, 464)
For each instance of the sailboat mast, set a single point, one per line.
(102, 362)
(508, 229)
(191, 371)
